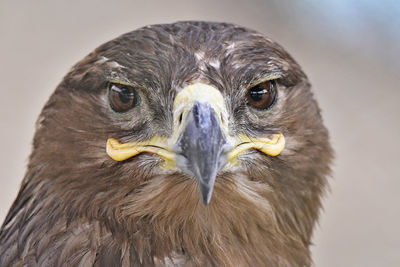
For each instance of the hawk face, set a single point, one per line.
(198, 139)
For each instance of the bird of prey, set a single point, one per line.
(185, 144)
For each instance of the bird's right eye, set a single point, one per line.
(122, 97)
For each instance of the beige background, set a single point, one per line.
(349, 49)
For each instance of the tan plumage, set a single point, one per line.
(77, 206)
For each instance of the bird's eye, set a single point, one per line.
(122, 97)
(262, 95)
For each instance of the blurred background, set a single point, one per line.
(349, 49)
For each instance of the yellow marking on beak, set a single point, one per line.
(198, 92)
(272, 147)
(156, 145)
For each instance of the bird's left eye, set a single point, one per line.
(262, 95)
(122, 97)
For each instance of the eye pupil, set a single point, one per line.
(257, 93)
(122, 97)
(263, 95)
(125, 95)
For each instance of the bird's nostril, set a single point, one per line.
(180, 118)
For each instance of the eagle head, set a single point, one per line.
(193, 144)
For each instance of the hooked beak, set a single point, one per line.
(200, 144)
(200, 148)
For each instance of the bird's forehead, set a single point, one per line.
(186, 38)
(170, 56)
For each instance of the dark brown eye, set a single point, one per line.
(262, 95)
(122, 97)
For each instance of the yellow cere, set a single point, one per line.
(203, 93)
(183, 104)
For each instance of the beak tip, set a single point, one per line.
(206, 193)
(206, 199)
